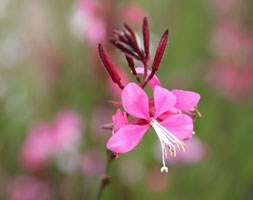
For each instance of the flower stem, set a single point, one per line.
(105, 178)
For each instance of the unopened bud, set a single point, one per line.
(109, 66)
(160, 51)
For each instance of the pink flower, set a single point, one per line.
(37, 147)
(223, 75)
(170, 130)
(232, 40)
(66, 131)
(46, 140)
(133, 13)
(87, 22)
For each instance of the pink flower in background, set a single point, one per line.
(88, 22)
(46, 140)
(233, 80)
(67, 130)
(37, 146)
(170, 131)
(133, 13)
(232, 69)
(231, 40)
(195, 152)
(28, 188)
(90, 19)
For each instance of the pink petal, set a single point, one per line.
(126, 138)
(164, 100)
(179, 125)
(119, 120)
(153, 82)
(135, 101)
(186, 100)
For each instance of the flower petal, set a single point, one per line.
(153, 82)
(126, 138)
(186, 100)
(179, 125)
(164, 100)
(135, 101)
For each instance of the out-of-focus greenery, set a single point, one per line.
(28, 95)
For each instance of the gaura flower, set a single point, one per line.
(170, 130)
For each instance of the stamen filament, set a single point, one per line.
(167, 140)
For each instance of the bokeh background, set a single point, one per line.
(54, 92)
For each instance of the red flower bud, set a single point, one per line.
(109, 66)
(146, 36)
(160, 51)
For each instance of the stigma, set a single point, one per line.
(169, 142)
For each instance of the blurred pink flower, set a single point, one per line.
(195, 152)
(67, 130)
(133, 13)
(231, 40)
(28, 188)
(46, 140)
(232, 69)
(170, 131)
(37, 146)
(87, 22)
(231, 79)
(90, 19)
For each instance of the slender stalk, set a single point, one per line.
(105, 177)
(145, 65)
(148, 79)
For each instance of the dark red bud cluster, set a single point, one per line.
(126, 41)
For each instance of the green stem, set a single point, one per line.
(105, 177)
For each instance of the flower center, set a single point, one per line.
(168, 142)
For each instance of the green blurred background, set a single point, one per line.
(44, 67)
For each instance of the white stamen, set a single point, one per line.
(168, 142)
